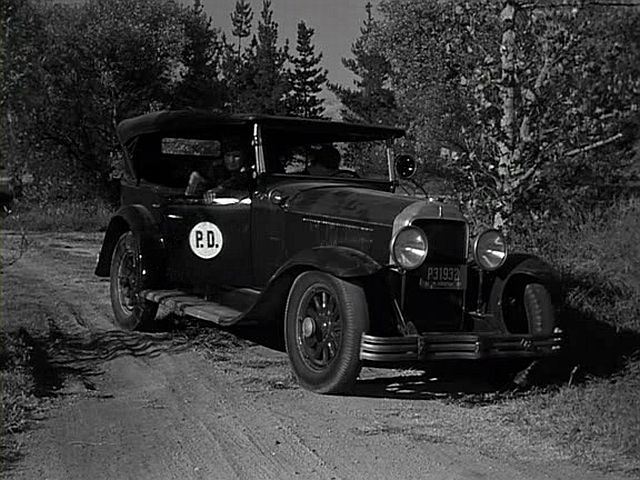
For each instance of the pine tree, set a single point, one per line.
(241, 19)
(371, 101)
(261, 81)
(307, 77)
(200, 85)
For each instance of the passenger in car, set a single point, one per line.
(198, 183)
(324, 161)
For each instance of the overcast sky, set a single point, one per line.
(336, 22)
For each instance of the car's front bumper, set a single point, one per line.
(457, 346)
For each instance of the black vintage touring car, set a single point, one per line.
(233, 217)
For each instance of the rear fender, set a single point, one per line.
(137, 219)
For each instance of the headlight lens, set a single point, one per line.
(490, 250)
(409, 248)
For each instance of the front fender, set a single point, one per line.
(526, 264)
(518, 267)
(344, 262)
(137, 219)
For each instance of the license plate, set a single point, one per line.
(443, 276)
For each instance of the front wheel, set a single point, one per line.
(529, 310)
(324, 321)
(126, 281)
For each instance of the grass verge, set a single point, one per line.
(18, 399)
(596, 420)
(58, 217)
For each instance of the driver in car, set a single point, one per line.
(324, 161)
(236, 185)
(212, 181)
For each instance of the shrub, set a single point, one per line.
(63, 216)
(598, 255)
(18, 400)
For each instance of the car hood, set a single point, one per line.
(361, 205)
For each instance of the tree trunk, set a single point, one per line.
(507, 142)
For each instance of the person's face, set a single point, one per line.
(233, 160)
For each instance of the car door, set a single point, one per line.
(209, 245)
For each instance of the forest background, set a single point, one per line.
(526, 113)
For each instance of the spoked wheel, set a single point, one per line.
(131, 312)
(325, 319)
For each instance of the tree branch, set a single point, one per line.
(598, 144)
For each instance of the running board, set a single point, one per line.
(183, 304)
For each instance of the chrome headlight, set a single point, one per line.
(490, 250)
(409, 248)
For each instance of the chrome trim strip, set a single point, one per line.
(337, 219)
(390, 165)
(424, 210)
(257, 145)
(336, 224)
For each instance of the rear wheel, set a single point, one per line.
(126, 281)
(324, 321)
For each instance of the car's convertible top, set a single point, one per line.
(194, 123)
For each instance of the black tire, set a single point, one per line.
(538, 308)
(323, 310)
(126, 281)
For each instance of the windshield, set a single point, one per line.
(366, 160)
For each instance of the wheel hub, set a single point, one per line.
(308, 327)
(319, 330)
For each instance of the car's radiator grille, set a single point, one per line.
(438, 310)
(447, 241)
(433, 310)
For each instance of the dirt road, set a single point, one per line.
(193, 401)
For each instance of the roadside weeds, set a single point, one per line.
(18, 394)
(68, 216)
(594, 413)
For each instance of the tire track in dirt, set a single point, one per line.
(199, 404)
(80, 316)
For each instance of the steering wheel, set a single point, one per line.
(348, 173)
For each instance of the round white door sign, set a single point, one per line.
(205, 240)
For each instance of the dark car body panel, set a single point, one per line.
(343, 215)
(6, 189)
(138, 219)
(340, 261)
(232, 266)
(347, 203)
